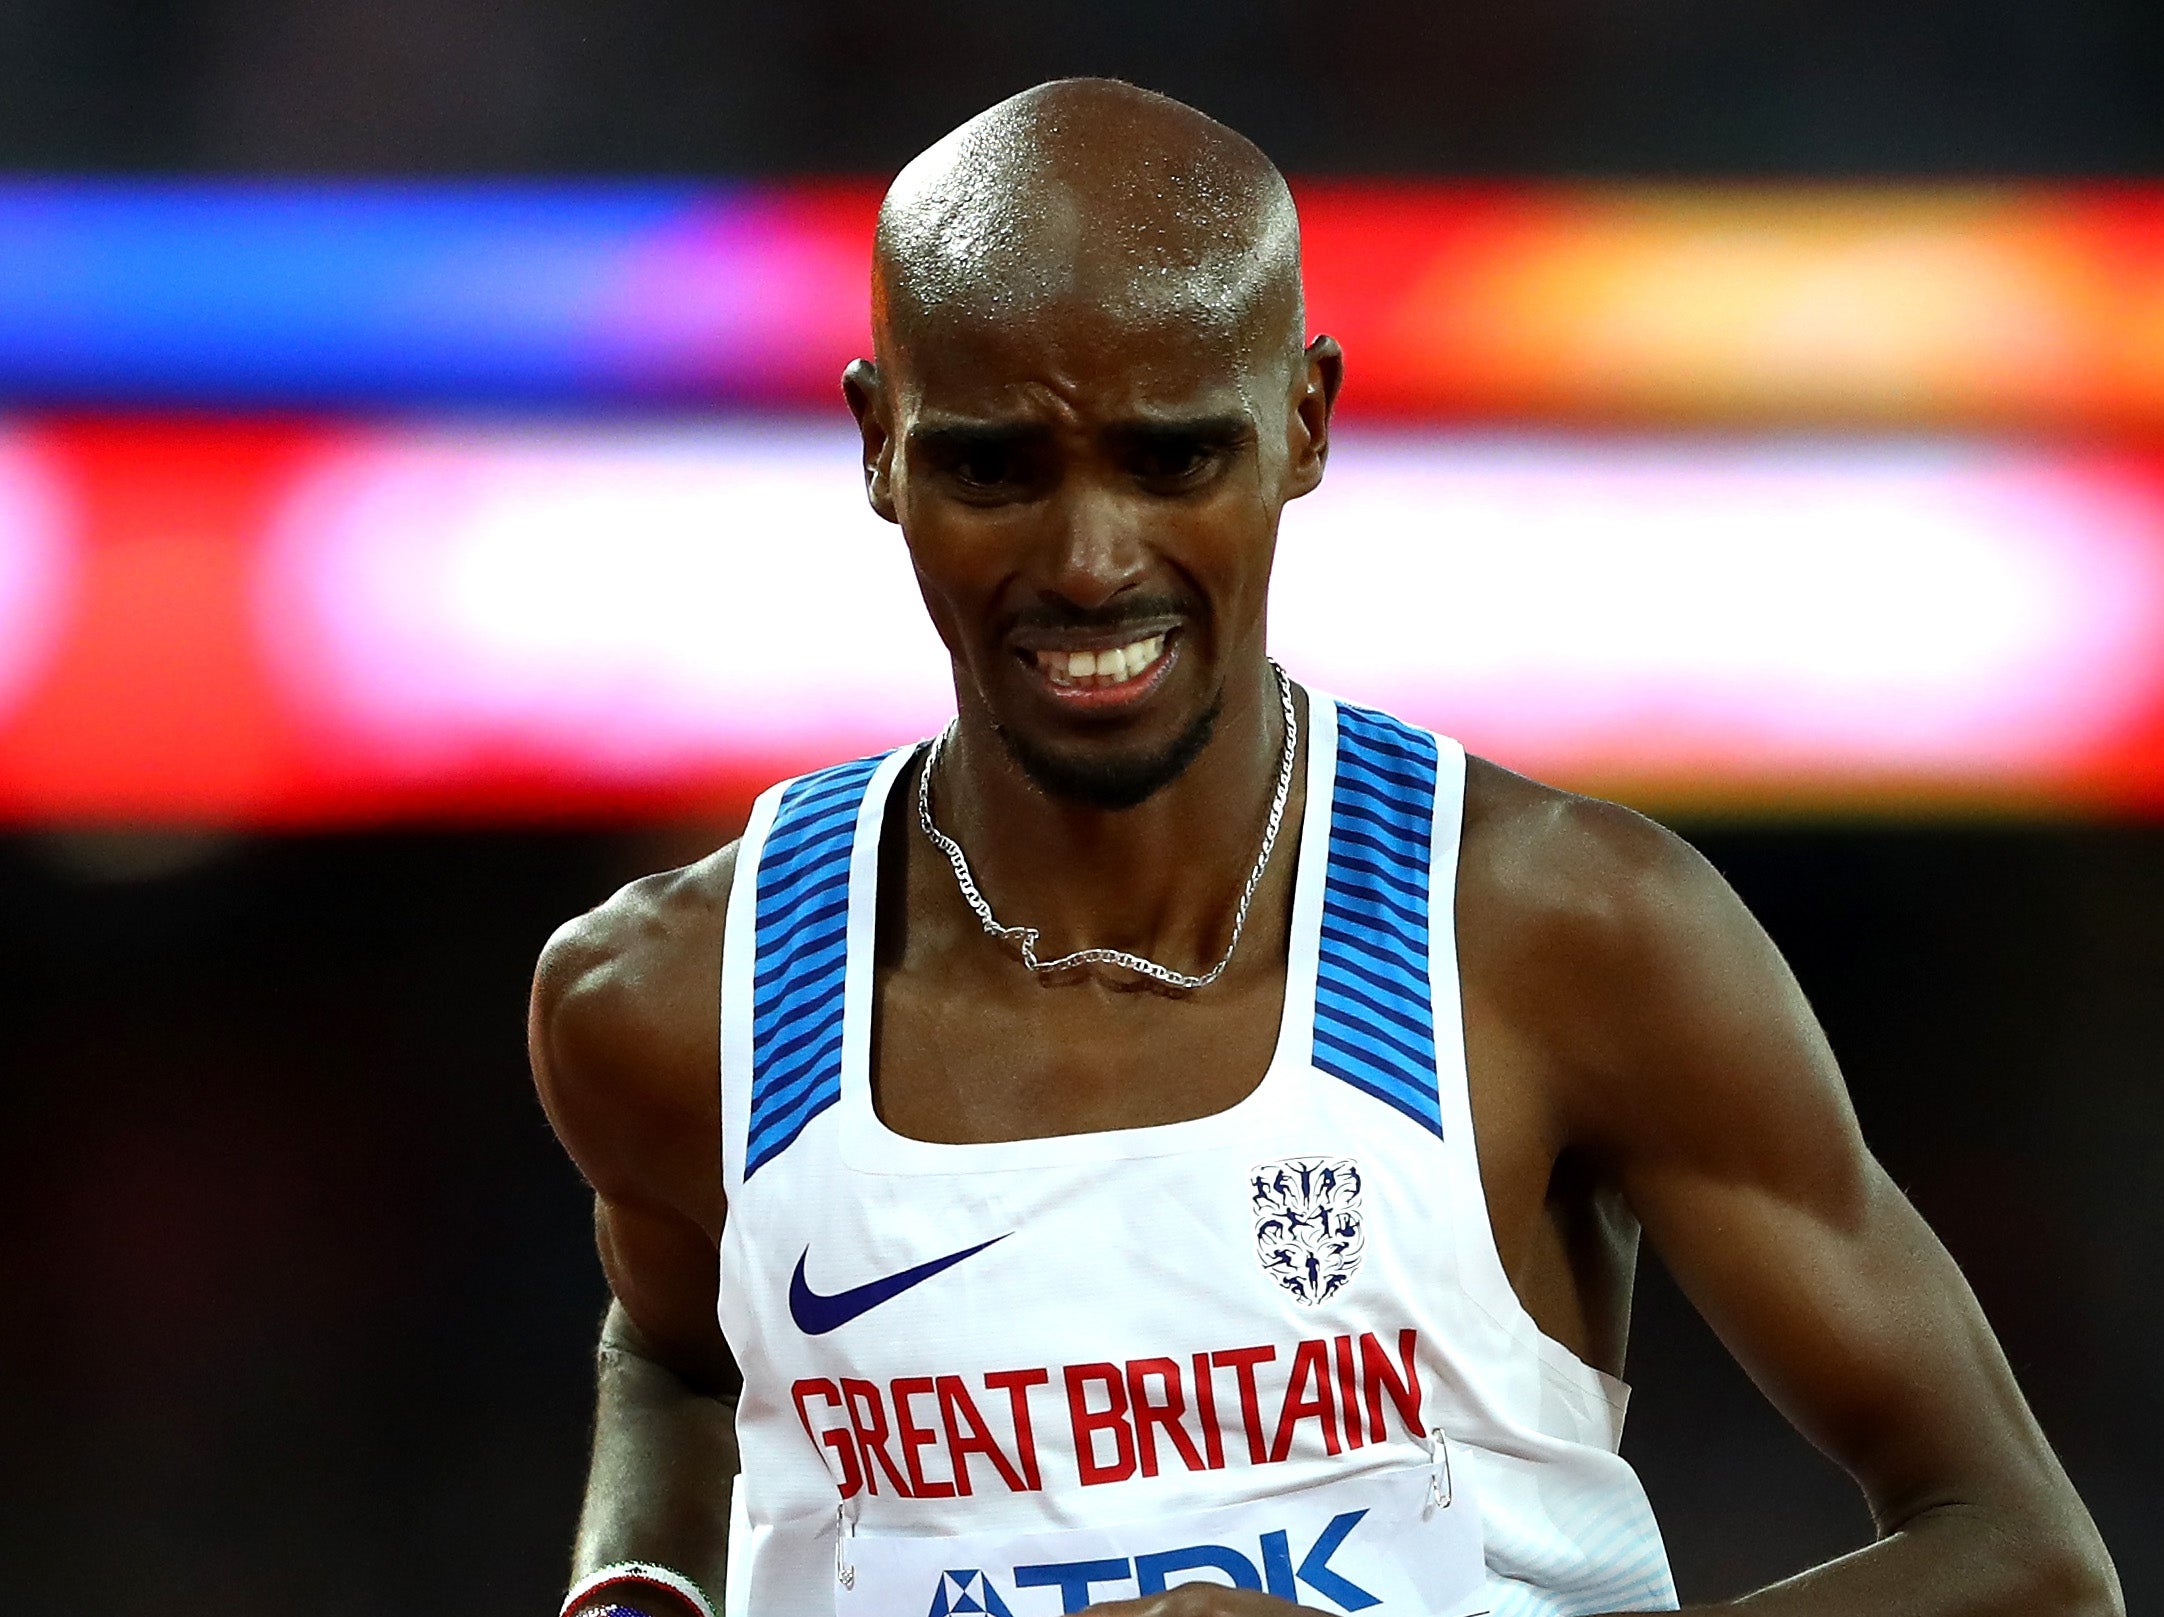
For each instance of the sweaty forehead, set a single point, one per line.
(1077, 361)
(1089, 200)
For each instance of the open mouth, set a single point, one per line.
(1101, 670)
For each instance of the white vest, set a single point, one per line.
(1019, 1377)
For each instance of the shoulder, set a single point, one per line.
(1666, 1018)
(624, 1032)
(606, 964)
(1572, 879)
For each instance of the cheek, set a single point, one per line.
(959, 570)
(1231, 539)
(949, 616)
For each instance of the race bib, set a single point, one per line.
(1403, 1544)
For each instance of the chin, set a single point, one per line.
(1110, 775)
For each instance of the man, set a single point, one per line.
(1182, 1140)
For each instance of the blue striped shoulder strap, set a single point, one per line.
(1374, 1005)
(800, 956)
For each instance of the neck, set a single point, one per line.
(1162, 879)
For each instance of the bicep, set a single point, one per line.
(621, 1041)
(664, 1273)
(1733, 1139)
(1851, 1317)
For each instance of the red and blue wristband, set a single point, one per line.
(628, 1579)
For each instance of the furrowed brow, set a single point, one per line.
(1209, 429)
(964, 437)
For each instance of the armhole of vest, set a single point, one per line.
(1480, 1265)
(739, 960)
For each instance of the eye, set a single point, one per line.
(985, 465)
(1174, 458)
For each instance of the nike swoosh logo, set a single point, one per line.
(816, 1315)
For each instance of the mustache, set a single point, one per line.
(1129, 610)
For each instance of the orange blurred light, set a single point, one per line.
(1851, 306)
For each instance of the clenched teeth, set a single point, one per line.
(1098, 668)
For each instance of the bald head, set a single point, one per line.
(1095, 192)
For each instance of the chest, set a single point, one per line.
(963, 1054)
(1015, 1059)
(975, 1061)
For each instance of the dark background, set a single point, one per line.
(300, 1314)
(1612, 87)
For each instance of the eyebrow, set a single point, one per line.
(1216, 429)
(959, 437)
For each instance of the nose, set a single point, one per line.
(1096, 545)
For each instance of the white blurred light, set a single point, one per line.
(630, 599)
(37, 563)
(635, 601)
(1844, 605)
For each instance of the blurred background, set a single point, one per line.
(425, 504)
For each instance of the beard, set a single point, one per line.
(1116, 782)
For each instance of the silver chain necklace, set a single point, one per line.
(1026, 936)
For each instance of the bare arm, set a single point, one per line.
(664, 1461)
(1704, 1087)
(622, 1035)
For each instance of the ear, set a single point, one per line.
(866, 392)
(1323, 373)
